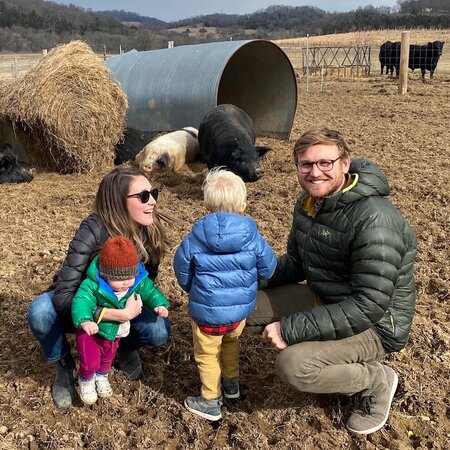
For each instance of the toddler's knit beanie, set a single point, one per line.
(118, 259)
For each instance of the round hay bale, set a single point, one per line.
(67, 110)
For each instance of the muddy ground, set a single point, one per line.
(408, 136)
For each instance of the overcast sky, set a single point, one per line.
(169, 10)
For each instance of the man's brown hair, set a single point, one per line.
(321, 135)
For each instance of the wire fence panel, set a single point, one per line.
(341, 61)
(351, 61)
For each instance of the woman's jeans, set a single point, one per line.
(47, 327)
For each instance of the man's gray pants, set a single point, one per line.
(345, 366)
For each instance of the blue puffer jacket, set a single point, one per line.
(219, 264)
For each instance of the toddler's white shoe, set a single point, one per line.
(88, 394)
(103, 387)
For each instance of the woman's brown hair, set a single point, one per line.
(111, 206)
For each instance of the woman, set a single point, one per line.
(124, 205)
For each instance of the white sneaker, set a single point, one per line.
(103, 387)
(88, 394)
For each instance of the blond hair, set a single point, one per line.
(224, 191)
(321, 135)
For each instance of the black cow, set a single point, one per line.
(226, 137)
(10, 169)
(390, 57)
(425, 57)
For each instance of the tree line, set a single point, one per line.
(32, 25)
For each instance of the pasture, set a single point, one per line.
(408, 136)
(15, 65)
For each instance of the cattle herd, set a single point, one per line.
(423, 57)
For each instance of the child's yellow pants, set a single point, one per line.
(216, 357)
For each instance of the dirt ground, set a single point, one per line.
(408, 136)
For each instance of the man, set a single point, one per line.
(356, 252)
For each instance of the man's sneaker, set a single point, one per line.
(102, 386)
(372, 412)
(63, 389)
(87, 390)
(230, 387)
(208, 409)
(130, 363)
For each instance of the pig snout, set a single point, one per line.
(259, 172)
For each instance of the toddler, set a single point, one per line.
(115, 278)
(219, 264)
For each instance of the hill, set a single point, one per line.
(32, 25)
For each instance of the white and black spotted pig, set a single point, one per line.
(171, 150)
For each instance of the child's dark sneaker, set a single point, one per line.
(208, 409)
(230, 387)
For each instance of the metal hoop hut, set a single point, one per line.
(172, 88)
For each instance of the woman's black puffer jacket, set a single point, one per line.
(357, 255)
(85, 245)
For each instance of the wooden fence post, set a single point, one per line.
(16, 68)
(404, 57)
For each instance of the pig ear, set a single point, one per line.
(262, 150)
(163, 160)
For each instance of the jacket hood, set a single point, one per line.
(371, 181)
(224, 232)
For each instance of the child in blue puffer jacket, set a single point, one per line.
(219, 264)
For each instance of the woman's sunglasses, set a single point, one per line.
(144, 196)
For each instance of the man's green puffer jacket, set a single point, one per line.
(357, 255)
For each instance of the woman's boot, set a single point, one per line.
(63, 389)
(130, 363)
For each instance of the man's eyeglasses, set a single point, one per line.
(325, 165)
(144, 196)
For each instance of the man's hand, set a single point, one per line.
(161, 311)
(272, 333)
(133, 307)
(89, 328)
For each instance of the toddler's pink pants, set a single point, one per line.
(96, 353)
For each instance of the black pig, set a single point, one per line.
(10, 169)
(226, 137)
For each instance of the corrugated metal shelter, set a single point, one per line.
(172, 88)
